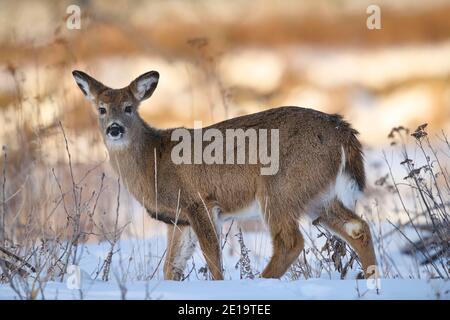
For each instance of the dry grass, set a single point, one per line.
(427, 186)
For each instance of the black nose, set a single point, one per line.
(115, 129)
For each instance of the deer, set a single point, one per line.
(321, 176)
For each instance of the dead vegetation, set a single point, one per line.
(427, 185)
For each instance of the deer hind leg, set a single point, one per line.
(354, 230)
(181, 242)
(287, 243)
(204, 223)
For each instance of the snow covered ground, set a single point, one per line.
(136, 273)
(250, 289)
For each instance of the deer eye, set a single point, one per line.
(128, 109)
(102, 110)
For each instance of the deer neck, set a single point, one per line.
(135, 162)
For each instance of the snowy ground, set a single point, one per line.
(250, 289)
(137, 268)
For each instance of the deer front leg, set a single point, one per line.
(181, 241)
(202, 222)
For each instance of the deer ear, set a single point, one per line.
(144, 85)
(88, 85)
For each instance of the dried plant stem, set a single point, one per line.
(3, 216)
(113, 241)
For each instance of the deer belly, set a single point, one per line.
(250, 212)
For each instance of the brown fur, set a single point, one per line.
(309, 160)
(334, 217)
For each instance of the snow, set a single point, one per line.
(136, 259)
(250, 290)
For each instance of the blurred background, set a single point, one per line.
(217, 59)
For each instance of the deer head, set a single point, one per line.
(117, 109)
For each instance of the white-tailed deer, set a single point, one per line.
(321, 174)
